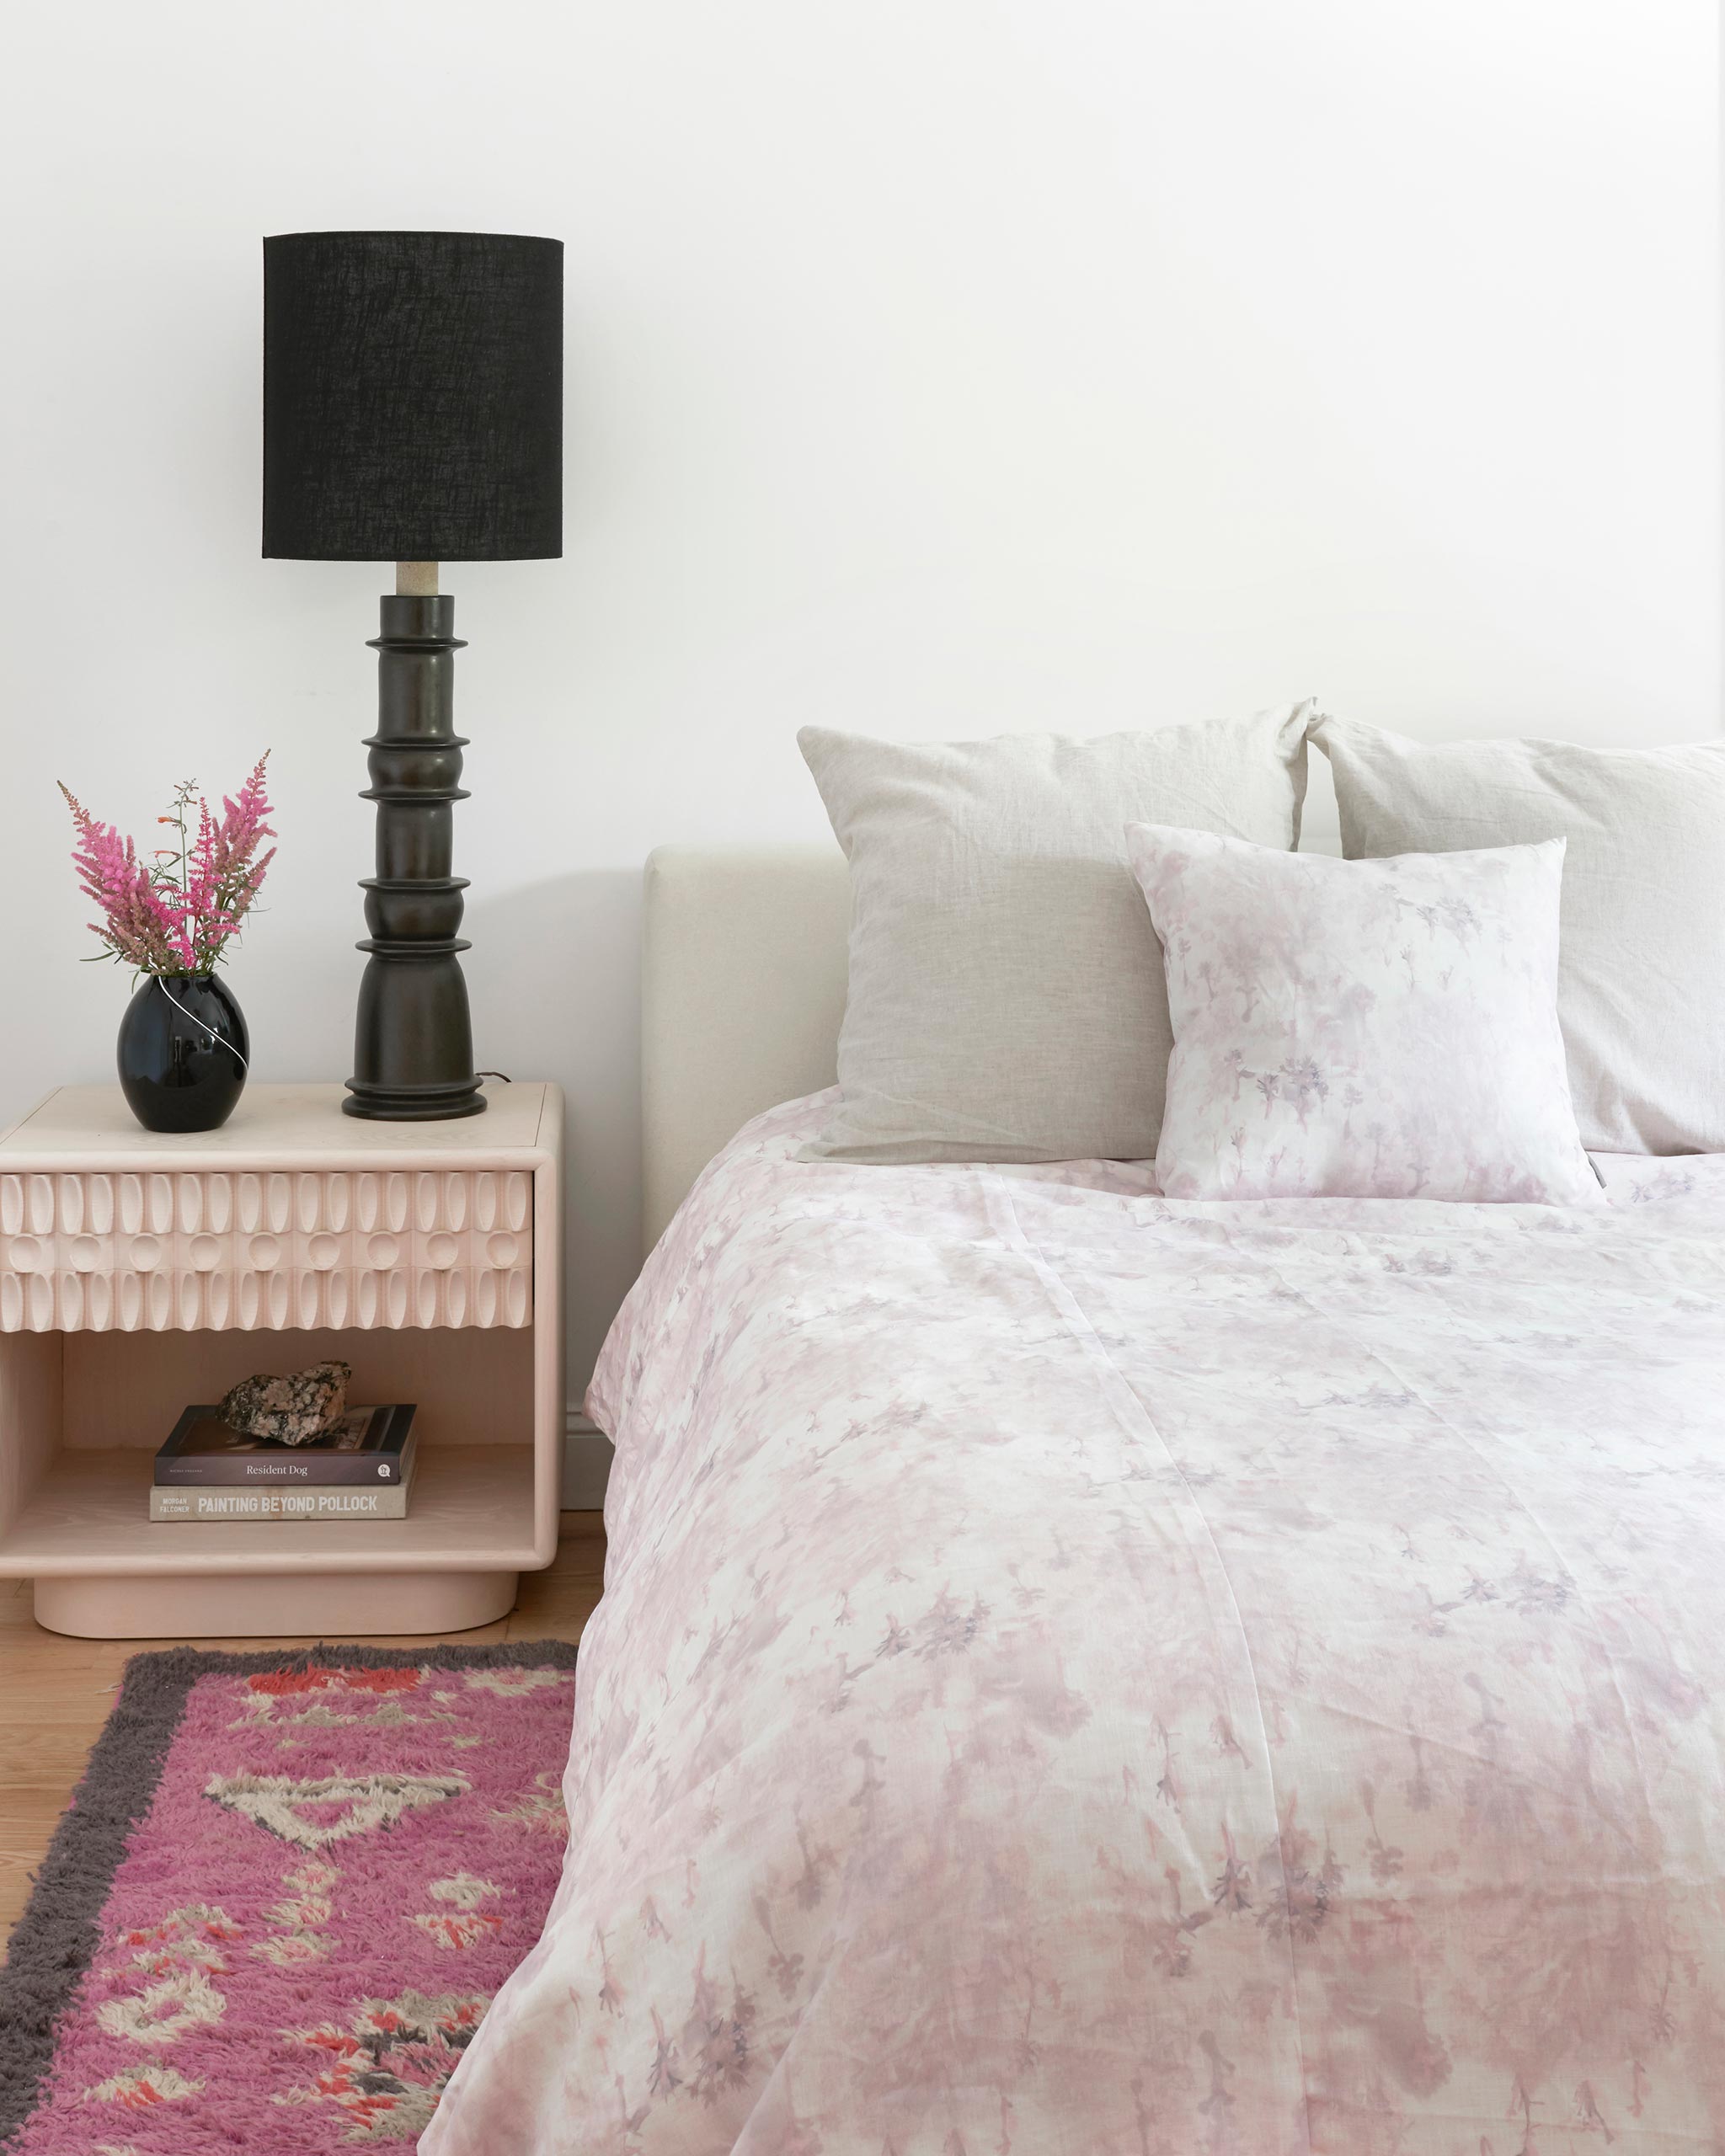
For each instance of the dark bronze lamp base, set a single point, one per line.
(412, 1034)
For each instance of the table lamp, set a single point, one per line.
(412, 413)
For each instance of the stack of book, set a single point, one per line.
(363, 1469)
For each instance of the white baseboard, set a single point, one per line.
(586, 1463)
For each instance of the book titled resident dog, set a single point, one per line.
(370, 1447)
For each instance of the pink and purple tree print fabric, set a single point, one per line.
(1361, 1029)
(1082, 1674)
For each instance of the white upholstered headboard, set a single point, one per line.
(742, 990)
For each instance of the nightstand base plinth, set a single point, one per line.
(271, 1606)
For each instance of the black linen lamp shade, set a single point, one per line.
(413, 397)
(412, 413)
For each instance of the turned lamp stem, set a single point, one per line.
(414, 1035)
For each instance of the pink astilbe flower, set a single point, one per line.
(136, 926)
(176, 915)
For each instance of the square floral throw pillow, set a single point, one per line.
(1361, 1029)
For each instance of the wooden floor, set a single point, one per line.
(55, 1693)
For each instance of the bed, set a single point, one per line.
(1084, 1674)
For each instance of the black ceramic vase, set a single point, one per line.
(183, 1053)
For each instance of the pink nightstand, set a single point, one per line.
(140, 1271)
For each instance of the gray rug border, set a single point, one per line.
(55, 1940)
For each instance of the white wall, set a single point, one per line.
(933, 366)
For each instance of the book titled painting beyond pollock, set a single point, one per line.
(276, 1501)
(370, 1448)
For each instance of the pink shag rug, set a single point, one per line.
(286, 1889)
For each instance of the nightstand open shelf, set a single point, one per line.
(138, 1273)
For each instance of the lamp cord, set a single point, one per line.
(208, 1028)
(235, 1052)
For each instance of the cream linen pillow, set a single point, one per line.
(1641, 985)
(1362, 1029)
(1005, 999)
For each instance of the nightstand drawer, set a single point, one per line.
(166, 1251)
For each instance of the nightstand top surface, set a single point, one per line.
(91, 1127)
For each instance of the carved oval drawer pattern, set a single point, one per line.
(265, 1252)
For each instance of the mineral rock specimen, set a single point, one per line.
(291, 1410)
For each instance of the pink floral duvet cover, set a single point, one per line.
(1083, 1675)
